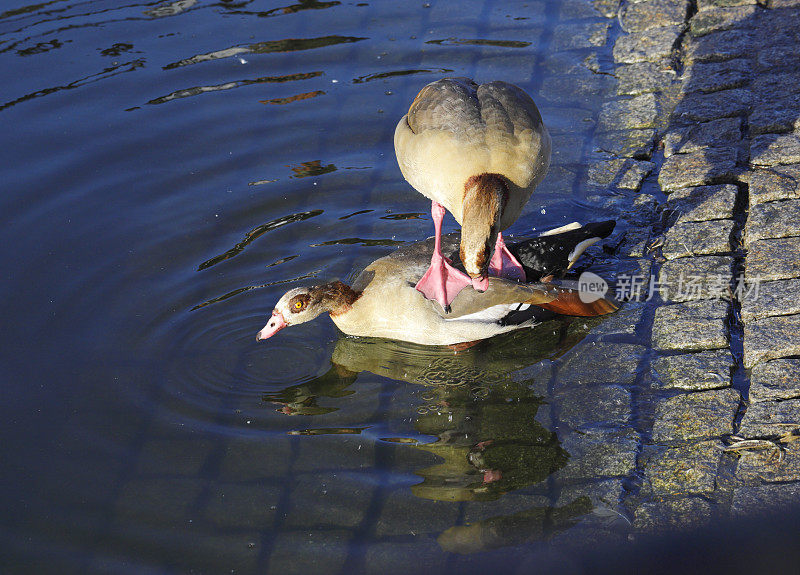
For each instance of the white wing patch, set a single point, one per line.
(579, 249)
(561, 230)
(491, 314)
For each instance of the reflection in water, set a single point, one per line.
(384, 75)
(295, 98)
(196, 90)
(482, 421)
(504, 530)
(313, 168)
(291, 9)
(480, 42)
(287, 45)
(255, 233)
(171, 8)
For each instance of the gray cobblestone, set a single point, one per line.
(672, 515)
(764, 499)
(694, 371)
(694, 325)
(622, 173)
(598, 453)
(627, 143)
(594, 405)
(769, 150)
(687, 279)
(697, 238)
(773, 259)
(641, 16)
(649, 46)
(621, 362)
(719, 46)
(770, 418)
(715, 19)
(766, 466)
(684, 470)
(698, 415)
(701, 107)
(706, 166)
(724, 132)
(775, 380)
(702, 203)
(643, 77)
(716, 76)
(778, 219)
(772, 298)
(775, 183)
(771, 338)
(577, 36)
(636, 112)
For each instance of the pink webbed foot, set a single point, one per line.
(503, 264)
(442, 282)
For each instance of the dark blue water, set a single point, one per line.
(169, 170)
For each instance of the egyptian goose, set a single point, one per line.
(478, 151)
(383, 301)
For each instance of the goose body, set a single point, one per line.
(383, 301)
(477, 151)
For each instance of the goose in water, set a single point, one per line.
(478, 151)
(383, 301)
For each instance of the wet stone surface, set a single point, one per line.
(775, 380)
(620, 363)
(777, 219)
(716, 76)
(688, 279)
(725, 132)
(771, 338)
(622, 173)
(700, 107)
(718, 18)
(770, 149)
(642, 16)
(627, 143)
(644, 77)
(636, 112)
(673, 515)
(699, 415)
(761, 499)
(651, 46)
(766, 465)
(773, 298)
(773, 259)
(697, 238)
(595, 405)
(771, 418)
(694, 325)
(775, 183)
(693, 371)
(702, 203)
(703, 166)
(598, 453)
(719, 46)
(684, 470)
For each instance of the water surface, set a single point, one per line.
(170, 169)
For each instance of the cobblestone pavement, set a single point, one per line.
(709, 115)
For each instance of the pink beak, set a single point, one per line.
(274, 325)
(481, 283)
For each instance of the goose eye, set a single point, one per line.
(298, 305)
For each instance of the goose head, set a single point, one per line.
(485, 197)
(303, 304)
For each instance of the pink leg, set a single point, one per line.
(503, 264)
(442, 281)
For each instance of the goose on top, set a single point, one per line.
(478, 151)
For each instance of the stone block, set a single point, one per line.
(596, 405)
(698, 415)
(694, 371)
(771, 338)
(684, 470)
(725, 18)
(627, 143)
(716, 76)
(650, 46)
(621, 173)
(773, 149)
(775, 380)
(631, 113)
(702, 107)
(765, 299)
(672, 515)
(702, 203)
(598, 362)
(768, 220)
(773, 259)
(719, 46)
(706, 166)
(643, 77)
(694, 325)
(724, 132)
(775, 183)
(767, 466)
(578, 36)
(598, 453)
(690, 279)
(642, 16)
(754, 500)
(697, 238)
(770, 418)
